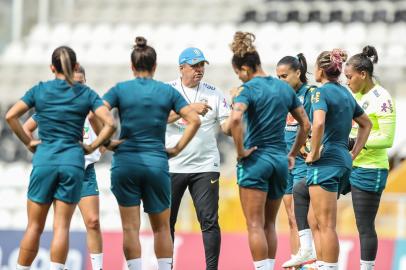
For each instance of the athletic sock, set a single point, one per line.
(56, 266)
(134, 264)
(329, 266)
(97, 261)
(367, 265)
(261, 265)
(165, 263)
(271, 264)
(319, 264)
(21, 267)
(306, 239)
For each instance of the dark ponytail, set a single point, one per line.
(64, 61)
(143, 57)
(364, 61)
(296, 63)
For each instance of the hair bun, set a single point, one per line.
(371, 53)
(243, 43)
(140, 42)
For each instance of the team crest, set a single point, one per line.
(365, 105)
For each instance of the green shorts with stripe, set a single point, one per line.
(330, 178)
(89, 186)
(59, 182)
(132, 183)
(269, 176)
(366, 179)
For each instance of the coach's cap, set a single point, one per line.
(192, 56)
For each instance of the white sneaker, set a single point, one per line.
(301, 258)
(311, 266)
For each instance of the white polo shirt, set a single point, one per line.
(88, 137)
(201, 154)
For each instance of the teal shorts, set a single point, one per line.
(294, 177)
(268, 176)
(373, 180)
(132, 183)
(89, 186)
(330, 178)
(62, 183)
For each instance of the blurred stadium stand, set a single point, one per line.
(102, 34)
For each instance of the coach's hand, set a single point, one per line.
(87, 148)
(172, 152)
(32, 145)
(246, 153)
(112, 146)
(201, 108)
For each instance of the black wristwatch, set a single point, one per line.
(107, 143)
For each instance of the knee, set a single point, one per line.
(254, 225)
(93, 223)
(35, 229)
(366, 229)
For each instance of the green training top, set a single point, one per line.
(380, 108)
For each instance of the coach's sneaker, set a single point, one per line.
(301, 258)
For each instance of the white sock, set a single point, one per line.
(306, 239)
(134, 264)
(367, 265)
(165, 263)
(261, 265)
(329, 266)
(20, 267)
(271, 264)
(56, 266)
(319, 264)
(97, 261)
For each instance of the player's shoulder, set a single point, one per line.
(379, 92)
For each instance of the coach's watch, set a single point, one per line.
(107, 143)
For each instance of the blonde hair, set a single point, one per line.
(243, 43)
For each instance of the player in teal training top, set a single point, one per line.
(293, 70)
(262, 169)
(370, 168)
(140, 163)
(58, 163)
(333, 109)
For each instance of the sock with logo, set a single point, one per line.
(165, 263)
(134, 264)
(261, 265)
(97, 261)
(56, 266)
(271, 264)
(319, 264)
(21, 267)
(329, 266)
(367, 265)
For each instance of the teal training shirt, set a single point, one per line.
(268, 102)
(144, 106)
(61, 110)
(340, 107)
(304, 94)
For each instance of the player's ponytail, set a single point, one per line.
(245, 53)
(331, 62)
(64, 61)
(296, 63)
(365, 60)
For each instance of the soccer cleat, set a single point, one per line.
(302, 258)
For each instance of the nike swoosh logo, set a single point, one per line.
(213, 181)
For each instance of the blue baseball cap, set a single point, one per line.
(191, 56)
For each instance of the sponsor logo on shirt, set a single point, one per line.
(376, 93)
(85, 132)
(387, 107)
(365, 105)
(208, 86)
(315, 97)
